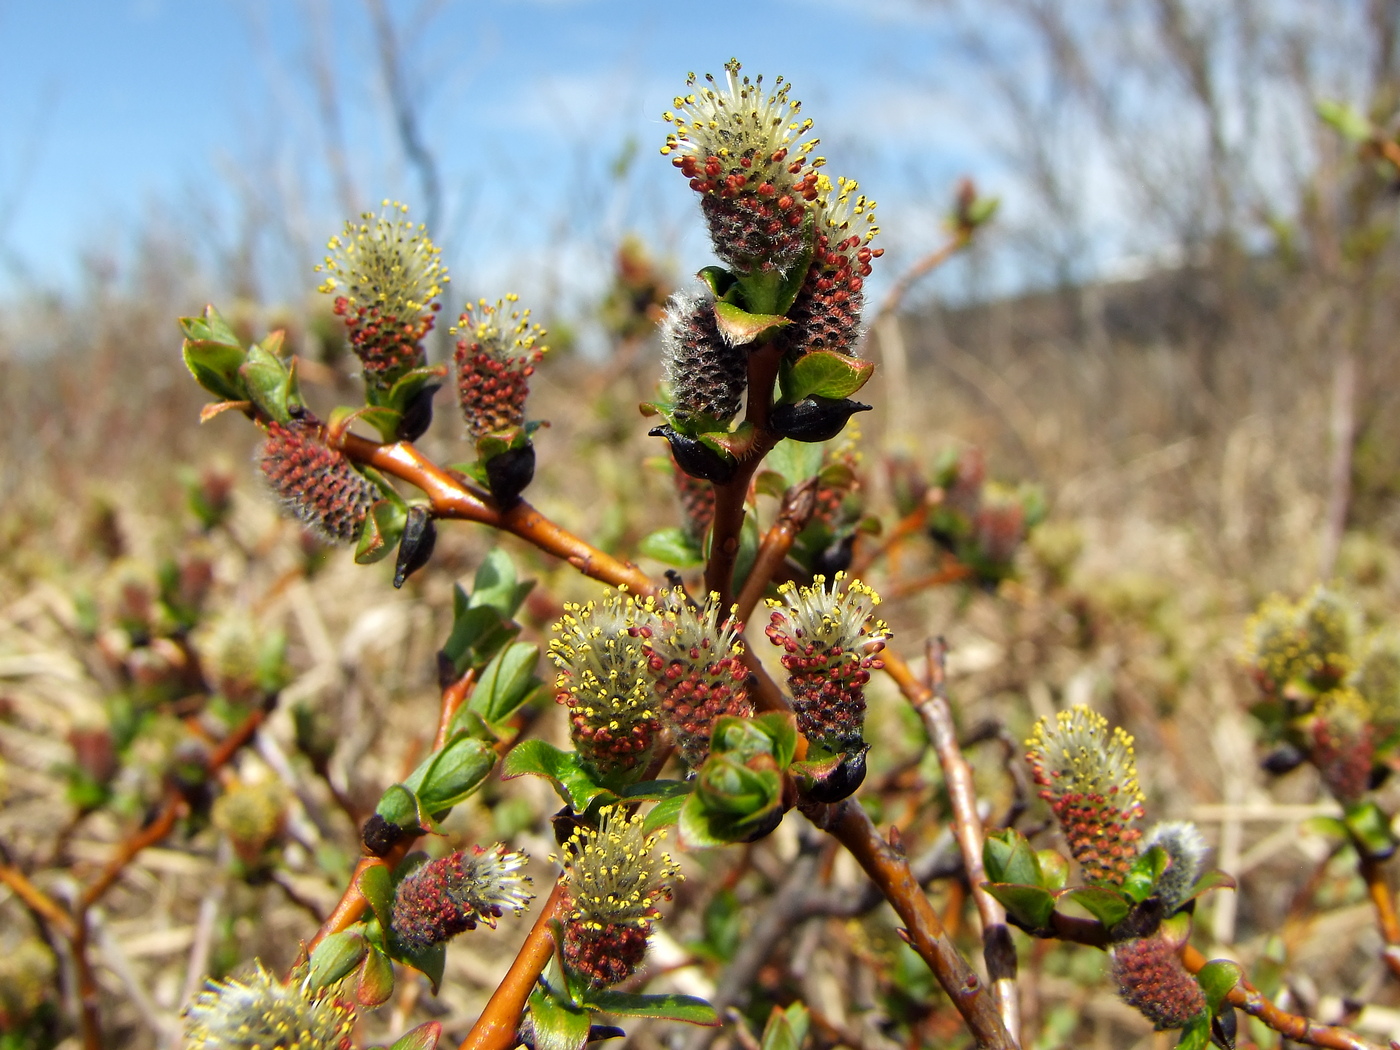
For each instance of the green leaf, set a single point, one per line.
(424, 1037)
(740, 328)
(507, 682)
(664, 814)
(824, 373)
(786, 1029)
(209, 328)
(1028, 906)
(375, 981)
(215, 367)
(448, 776)
(1369, 830)
(1054, 869)
(1218, 979)
(718, 280)
(429, 961)
(1196, 1034)
(1345, 120)
(558, 1025)
(336, 956)
(408, 385)
(663, 1007)
(268, 382)
(796, 461)
(376, 885)
(381, 532)
(1214, 879)
(673, 546)
(1142, 877)
(1108, 906)
(574, 783)
(497, 585)
(1008, 857)
(399, 806)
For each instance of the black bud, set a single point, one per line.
(696, 458)
(834, 558)
(842, 781)
(1224, 1028)
(814, 418)
(1283, 759)
(417, 414)
(416, 546)
(766, 826)
(508, 472)
(380, 836)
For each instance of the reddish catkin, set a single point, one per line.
(315, 483)
(495, 357)
(1150, 978)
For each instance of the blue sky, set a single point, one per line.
(544, 116)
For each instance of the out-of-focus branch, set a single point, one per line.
(932, 705)
(1378, 888)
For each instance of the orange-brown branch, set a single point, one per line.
(1378, 887)
(496, 1028)
(1248, 998)
(452, 496)
(37, 901)
(888, 869)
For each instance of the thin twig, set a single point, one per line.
(931, 702)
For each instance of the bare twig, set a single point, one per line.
(798, 504)
(1378, 888)
(933, 707)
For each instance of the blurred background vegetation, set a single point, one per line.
(1181, 326)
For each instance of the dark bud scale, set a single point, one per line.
(814, 418)
(416, 545)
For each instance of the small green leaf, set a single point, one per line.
(428, 961)
(1215, 879)
(336, 956)
(1108, 906)
(1142, 877)
(268, 382)
(447, 777)
(664, 814)
(375, 981)
(215, 367)
(537, 758)
(786, 1029)
(507, 682)
(408, 385)
(1218, 979)
(399, 806)
(673, 546)
(381, 532)
(718, 280)
(1054, 869)
(424, 1037)
(824, 373)
(1028, 906)
(1196, 1034)
(1345, 120)
(740, 328)
(1008, 857)
(1369, 830)
(558, 1025)
(685, 1008)
(376, 885)
(210, 328)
